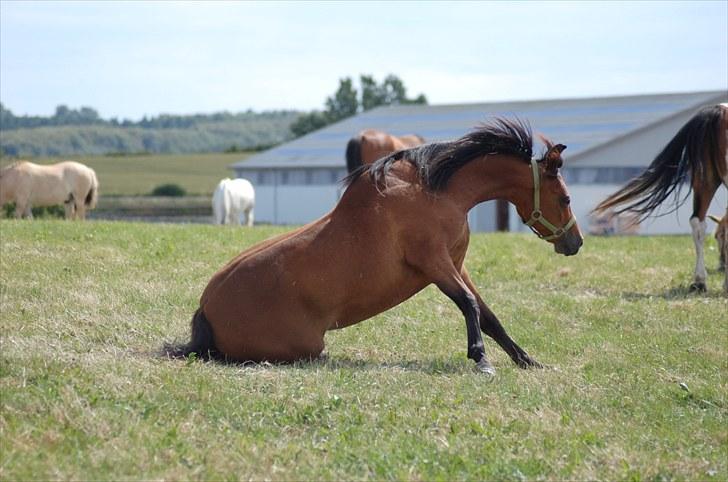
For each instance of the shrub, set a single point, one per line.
(172, 190)
(56, 211)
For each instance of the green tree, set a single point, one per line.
(390, 92)
(308, 123)
(344, 103)
(372, 95)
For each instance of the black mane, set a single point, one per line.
(437, 162)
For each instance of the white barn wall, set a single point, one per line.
(586, 197)
(294, 204)
(482, 218)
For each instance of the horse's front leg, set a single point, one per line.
(68, 208)
(698, 227)
(249, 217)
(441, 270)
(24, 211)
(492, 327)
(81, 211)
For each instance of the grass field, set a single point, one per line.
(636, 387)
(139, 175)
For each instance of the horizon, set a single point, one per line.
(429, 104)
(135, 60)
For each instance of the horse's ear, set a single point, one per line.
(553, 159)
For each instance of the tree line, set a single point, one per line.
(83, 131)
(88, 116)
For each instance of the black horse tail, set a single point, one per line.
(90, 197)
(682, 159)
(353, 154)
(93, 194)
(202, 342)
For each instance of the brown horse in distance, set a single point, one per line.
(276, 300)
(371, 144)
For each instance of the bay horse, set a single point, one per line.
(696, 154)
(400, 226)
(372, 144)
(233, 198)
(69, 183)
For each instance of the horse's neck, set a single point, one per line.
(486, 178)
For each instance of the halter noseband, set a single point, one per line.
(537, 215)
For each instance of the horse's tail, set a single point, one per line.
(353, 154)
(682, 158)
(202, 341)
(93, 194)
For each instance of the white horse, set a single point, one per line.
(69, 183)
(232, 198)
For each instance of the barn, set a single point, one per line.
(609, 139)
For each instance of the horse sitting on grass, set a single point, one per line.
(372, 144)
(69, 183)
(400, 226)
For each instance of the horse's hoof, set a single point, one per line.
(485, 367)
(698, 287)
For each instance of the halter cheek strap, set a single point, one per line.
(537, 215)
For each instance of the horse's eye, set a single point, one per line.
(566, 200)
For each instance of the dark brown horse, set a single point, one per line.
(400, 226)
(371, 144)
(696, 154)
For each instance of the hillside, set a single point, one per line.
(165, 134)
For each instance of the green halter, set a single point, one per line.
(537, 215)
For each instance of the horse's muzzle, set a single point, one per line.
(568, 244)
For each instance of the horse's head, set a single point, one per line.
(546, 208)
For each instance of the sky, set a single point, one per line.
(135, 59)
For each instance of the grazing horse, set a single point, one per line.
(233, 198)
(400, 226)
(371, 144)
(69, 183)
(697, 153)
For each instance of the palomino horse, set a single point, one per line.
(371, 144)
(400, 226)
(696, 153)
(69, 183)
(233, 198)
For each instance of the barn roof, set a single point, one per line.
(583, 124)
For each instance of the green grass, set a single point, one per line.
(139, 175)
(85, 307)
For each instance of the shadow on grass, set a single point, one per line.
(325, 362)
(676, 293)
(431, 367)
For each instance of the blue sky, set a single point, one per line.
(130, 59)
